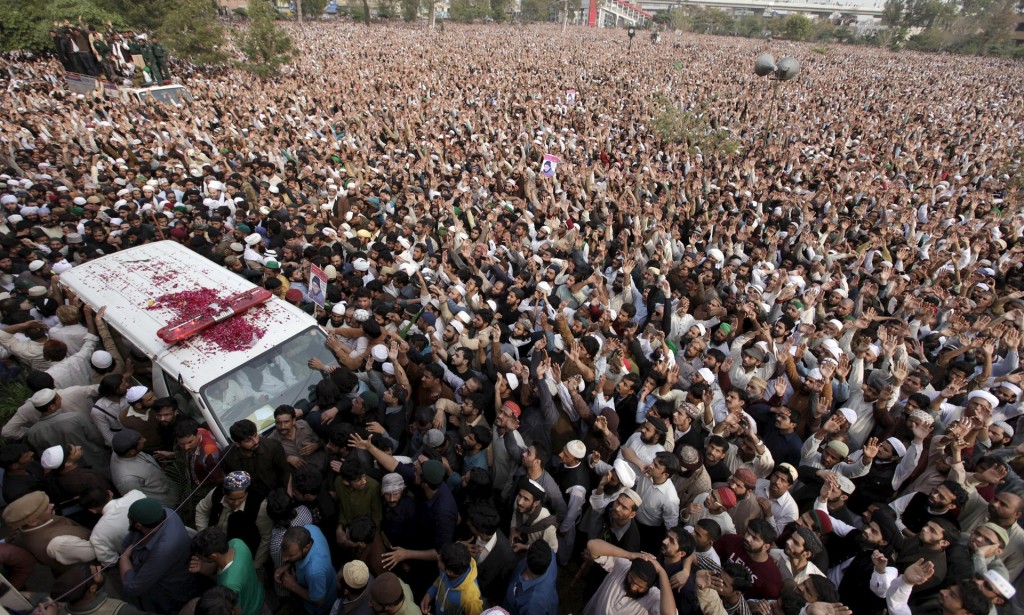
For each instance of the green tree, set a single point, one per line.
(313, 8)
(681, 20)
(142, 14)
(466, 11)
(713, 21)
(928, 13)
(191, 31)
(386, 9)
(751, 26)
(25, 24)
(410, 10)
(797, 27)
(892, 12)
(265, 45)
(538, 10)
(499, 10)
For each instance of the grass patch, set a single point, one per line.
(12, 394)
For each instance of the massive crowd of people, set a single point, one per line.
(646, 376)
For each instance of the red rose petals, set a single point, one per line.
(234, 334)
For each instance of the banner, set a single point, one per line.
(317, 285)
(550, 164)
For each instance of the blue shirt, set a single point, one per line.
(534, 596)
(316, 573)
(159, 576)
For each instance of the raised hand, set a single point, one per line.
(870, 449)
(843, 369)
(781, 386)
(921, 430)
(918, 572)
(880, 561)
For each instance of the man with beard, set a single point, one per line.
(623, 291)
(1005, 510)
(263, 459)
(833, 457)
(756, 360)
(714, 459)
(794, 559)
(165, 411)
(777, 505)
(778, 431)
(398, 515)
(618, 523)
(864, 396)
(853, 571)
(742, 482)
(534, 459)
(641, 447)
(520, 330)
(914, 510)
(660, 508)
(965, 597)
(725, 591)
(531, 521)
(675, 557)
(573, 479)
(891, 467)
(693, 479)
(690, 360)
(752, 551)
(615, 479)
(687, 427)
(138, 415)
(930, 545)
(1009, 396)
(625, 402)
(337, 319)
(636, 583)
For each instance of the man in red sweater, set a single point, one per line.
(751, 551)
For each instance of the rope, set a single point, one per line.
(104, 567)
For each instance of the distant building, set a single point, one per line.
(231, 5)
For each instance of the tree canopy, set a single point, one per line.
(265, 45)
(187, 27)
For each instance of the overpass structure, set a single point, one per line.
(617, 14)
(871, 8)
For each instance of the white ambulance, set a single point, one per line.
(216, 342)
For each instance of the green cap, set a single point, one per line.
(244, 228)
(147, 511)
(433, 472)
(725, 327)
